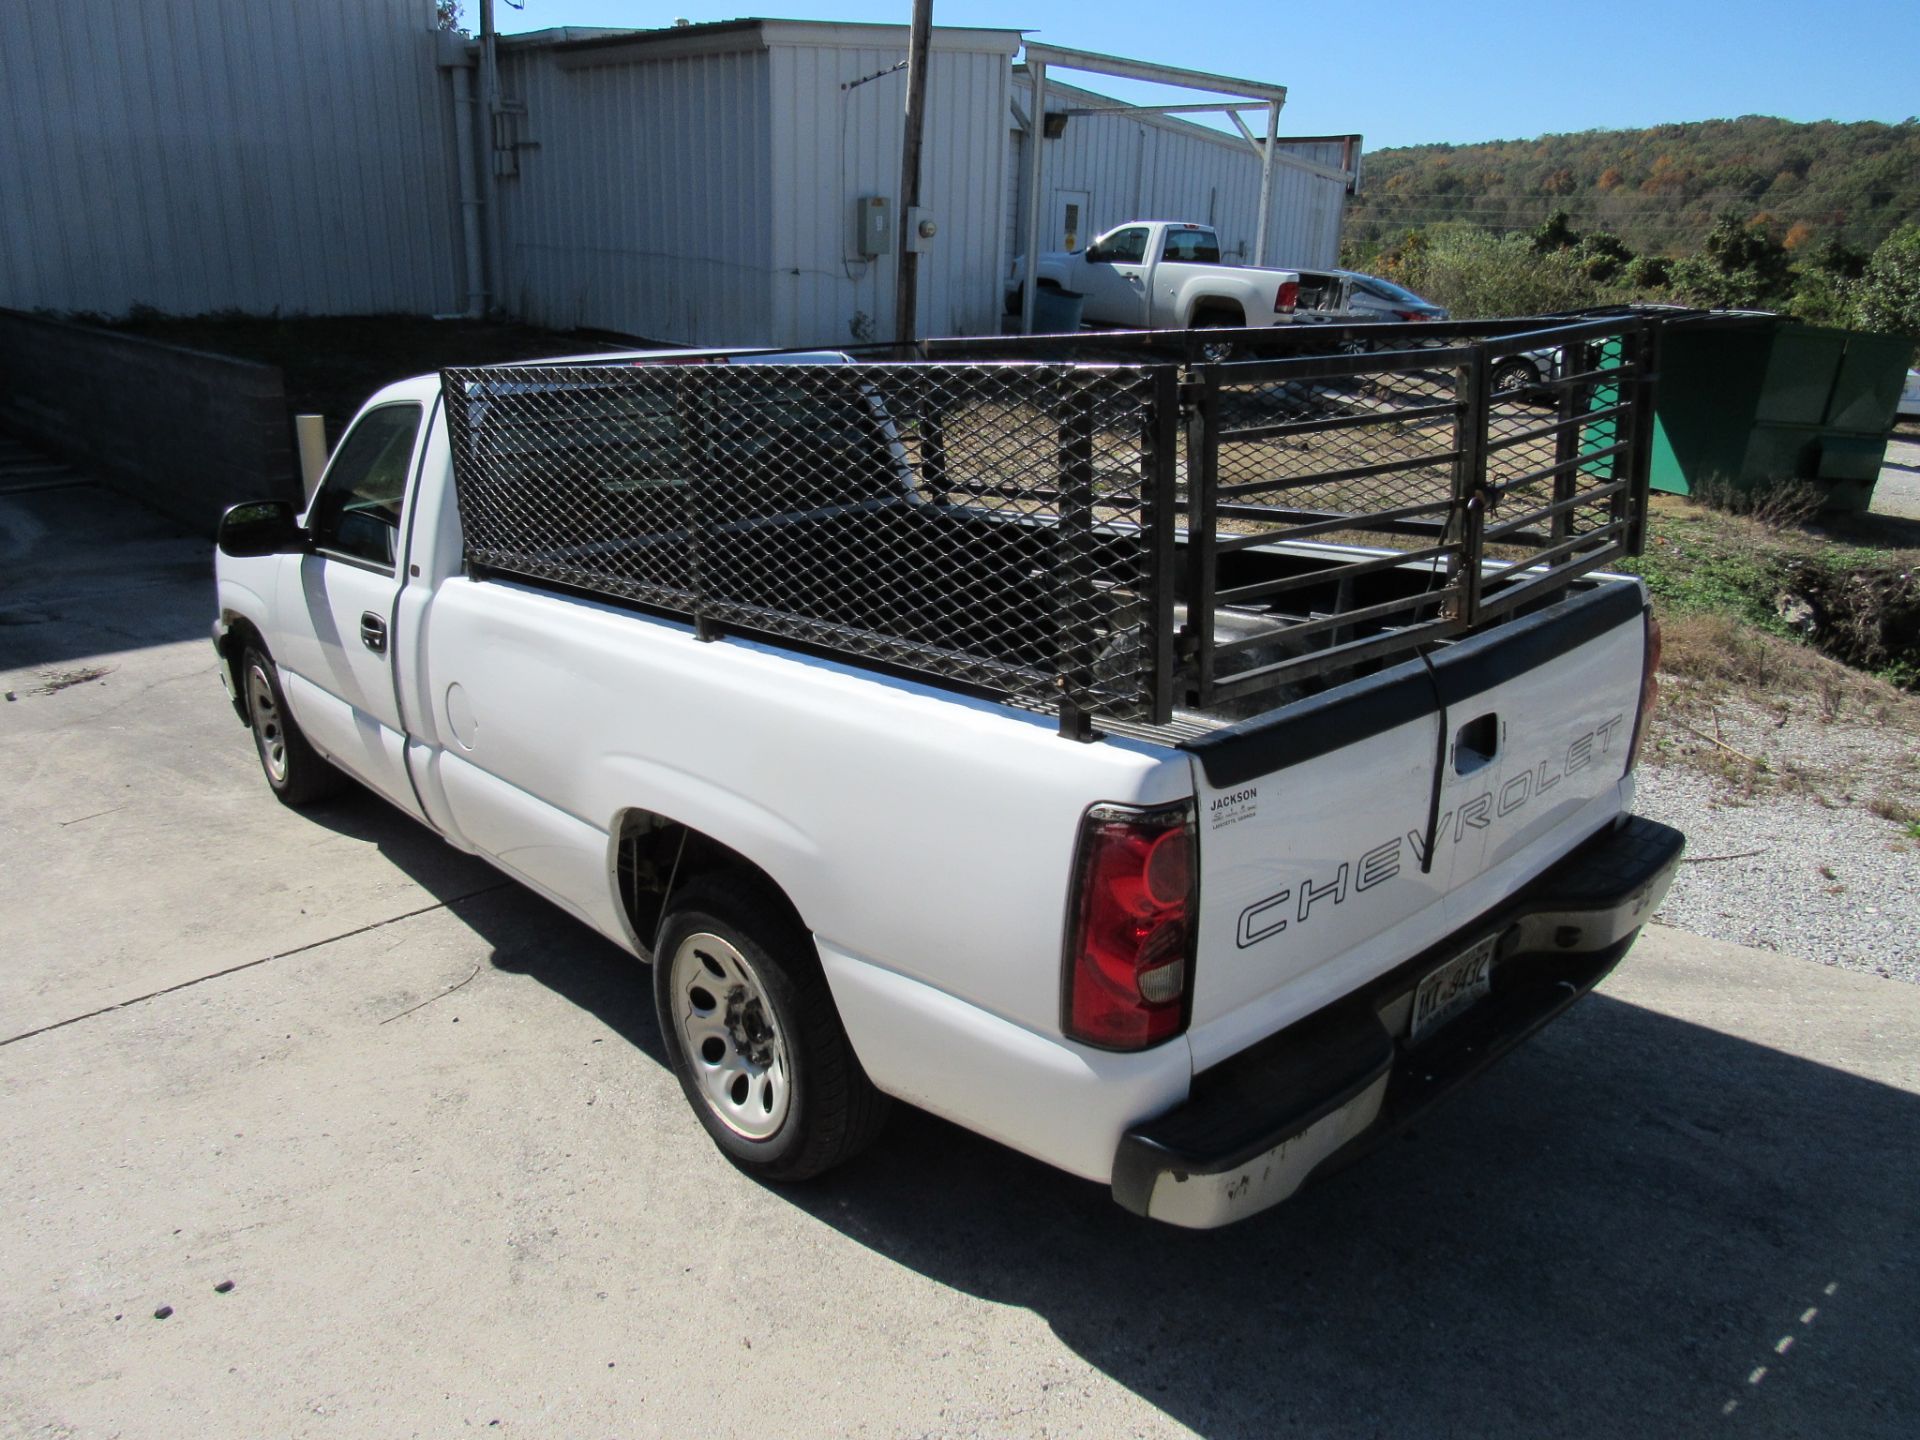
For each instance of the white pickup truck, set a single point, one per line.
(935, 740)
(1163, 275)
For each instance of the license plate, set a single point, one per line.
(1452, 988)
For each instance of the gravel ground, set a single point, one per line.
(1810, 868)
(1898, 490)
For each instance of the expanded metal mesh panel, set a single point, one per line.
(987, 524)
(1165, 543)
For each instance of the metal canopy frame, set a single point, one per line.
(1250, 95)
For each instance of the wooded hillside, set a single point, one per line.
(1659, 190)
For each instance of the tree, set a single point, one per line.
(1650, 272)
(1741, 267)
(1556, 232)
(1603, 256)
(1889, 293)
(1837, 259)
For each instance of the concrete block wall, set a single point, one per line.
(185, 431)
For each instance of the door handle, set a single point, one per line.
(373, 632)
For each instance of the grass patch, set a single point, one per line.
(1787, 643)
(1857, 602)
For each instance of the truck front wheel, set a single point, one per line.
(294, 769)
(752, 1034)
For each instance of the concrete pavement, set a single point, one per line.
(420, 1120)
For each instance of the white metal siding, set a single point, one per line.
(1150, 167)
(642, 205)
(834, 145)
(196, 155)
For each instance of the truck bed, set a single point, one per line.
(1154, 545)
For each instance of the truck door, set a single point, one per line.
(337, 603)
(1114, 277)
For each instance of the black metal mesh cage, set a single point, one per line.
(986, 524)
(1123, 539)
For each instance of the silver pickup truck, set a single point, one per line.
(1163, 275)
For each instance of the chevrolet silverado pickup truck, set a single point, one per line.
(1180, 772)
(1163, 274)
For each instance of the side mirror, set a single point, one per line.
(1094, 254)
(260, 527)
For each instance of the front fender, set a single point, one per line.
(241, 609)
(1054, 270)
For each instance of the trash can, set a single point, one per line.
(1056, 312)
(1747, 401)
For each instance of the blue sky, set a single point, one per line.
(1404, 74)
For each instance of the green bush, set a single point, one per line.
(1889, 293)
(1478, 275)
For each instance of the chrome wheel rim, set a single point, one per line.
(733, 1047)
(268, 732)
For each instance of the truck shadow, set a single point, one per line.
(1634, 1225)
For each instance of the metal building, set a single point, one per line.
(721, 184)
(700, 185)
(193, 156)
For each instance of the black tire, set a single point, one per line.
(1216, 351)
(1515, 376)
(295, 772)
(773, 1039)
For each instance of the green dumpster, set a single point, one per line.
(1748, 401)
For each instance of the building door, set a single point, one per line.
(1072, 220)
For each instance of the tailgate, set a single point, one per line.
(1336, 835)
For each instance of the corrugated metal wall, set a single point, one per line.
(196, 155)
(1151, 167)
(834, 145)
(642, 199)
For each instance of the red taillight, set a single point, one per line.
(1649, 687)
(1412, 314)
(1130, 946)
(1287, 297)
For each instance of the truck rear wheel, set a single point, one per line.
(752, 1034)
(294, 769)
(1216, 351)
(1515, 378)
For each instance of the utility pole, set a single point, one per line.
(489, 185)
(906, 290)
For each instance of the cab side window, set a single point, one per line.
(357, 512)
(1126, 247)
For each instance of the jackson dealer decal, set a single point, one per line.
(1231, 809)
(1300, 901)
